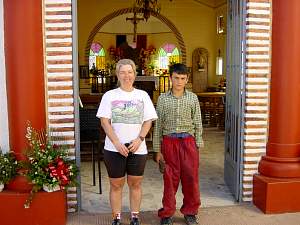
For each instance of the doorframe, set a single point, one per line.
(76, 97)
(243, 11)
(237, 190)
(76, 100)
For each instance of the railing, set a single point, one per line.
(102, 81)
(84, 72)
(101, 84)
(164, 83)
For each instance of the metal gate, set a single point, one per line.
(235, 95)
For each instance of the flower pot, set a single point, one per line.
(1, 187)
(51, 188)
(19, 184)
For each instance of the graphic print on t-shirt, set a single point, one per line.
(128, 112)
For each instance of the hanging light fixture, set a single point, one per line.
(148, 6)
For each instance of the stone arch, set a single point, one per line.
(130, 10)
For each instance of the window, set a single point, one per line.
(167, 54)
(219, 64)
(220, 25)
(97, 56)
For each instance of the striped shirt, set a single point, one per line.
(177, 115)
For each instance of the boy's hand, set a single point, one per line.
(157, 156)
(162, 165)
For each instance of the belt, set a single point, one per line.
(179, 135)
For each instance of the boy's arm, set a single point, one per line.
(198, 124)
(157, 132)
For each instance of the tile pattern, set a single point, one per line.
(59, 78)
(243, 214)
(258, 64)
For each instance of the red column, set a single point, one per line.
(24, 68)
(26, 102)
(277, 187)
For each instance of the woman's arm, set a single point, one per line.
(106, 125)
(135, 144)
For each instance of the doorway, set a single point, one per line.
(217, 139)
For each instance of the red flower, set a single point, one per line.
(60, 171)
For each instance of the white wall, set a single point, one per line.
(4, 138)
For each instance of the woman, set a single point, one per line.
(126, 116)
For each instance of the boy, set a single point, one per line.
(176, 140)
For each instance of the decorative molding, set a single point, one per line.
(213, 5)
(138, 33)
(258, 64)
(119, 12)
(59, 77)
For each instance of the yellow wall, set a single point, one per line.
(221, 41)
(196, 23)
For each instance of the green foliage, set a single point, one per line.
(8, 167)
(48, 163)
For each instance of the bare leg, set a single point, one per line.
(115, 194)
(135, 192)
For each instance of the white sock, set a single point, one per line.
(116, 216)
(134, 214)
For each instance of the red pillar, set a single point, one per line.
(24, 69)
(23, 33)
(276, 188)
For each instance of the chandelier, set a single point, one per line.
(148, 6)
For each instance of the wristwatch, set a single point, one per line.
(142, 138)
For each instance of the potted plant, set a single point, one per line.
(8, 168)
(48, 167)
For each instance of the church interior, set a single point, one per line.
(154, 34)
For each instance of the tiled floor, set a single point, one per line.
(213, 190)
(241, 214)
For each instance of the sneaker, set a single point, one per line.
(166, 221)
(135, 221)
(190, 219)
(116, 222)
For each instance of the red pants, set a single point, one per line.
(182, 162)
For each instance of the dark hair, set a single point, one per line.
(178, 68)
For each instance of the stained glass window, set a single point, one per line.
(167, 54)
(97, 56)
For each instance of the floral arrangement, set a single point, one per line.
(48, 165)
(8, 167)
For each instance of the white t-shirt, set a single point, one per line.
(127, 112)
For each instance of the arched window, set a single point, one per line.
(97, 56)
(167, 54)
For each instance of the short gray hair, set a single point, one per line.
(123, 62)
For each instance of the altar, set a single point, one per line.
(154, 79)
(147, 83)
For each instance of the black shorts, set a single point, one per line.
(118, 165)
